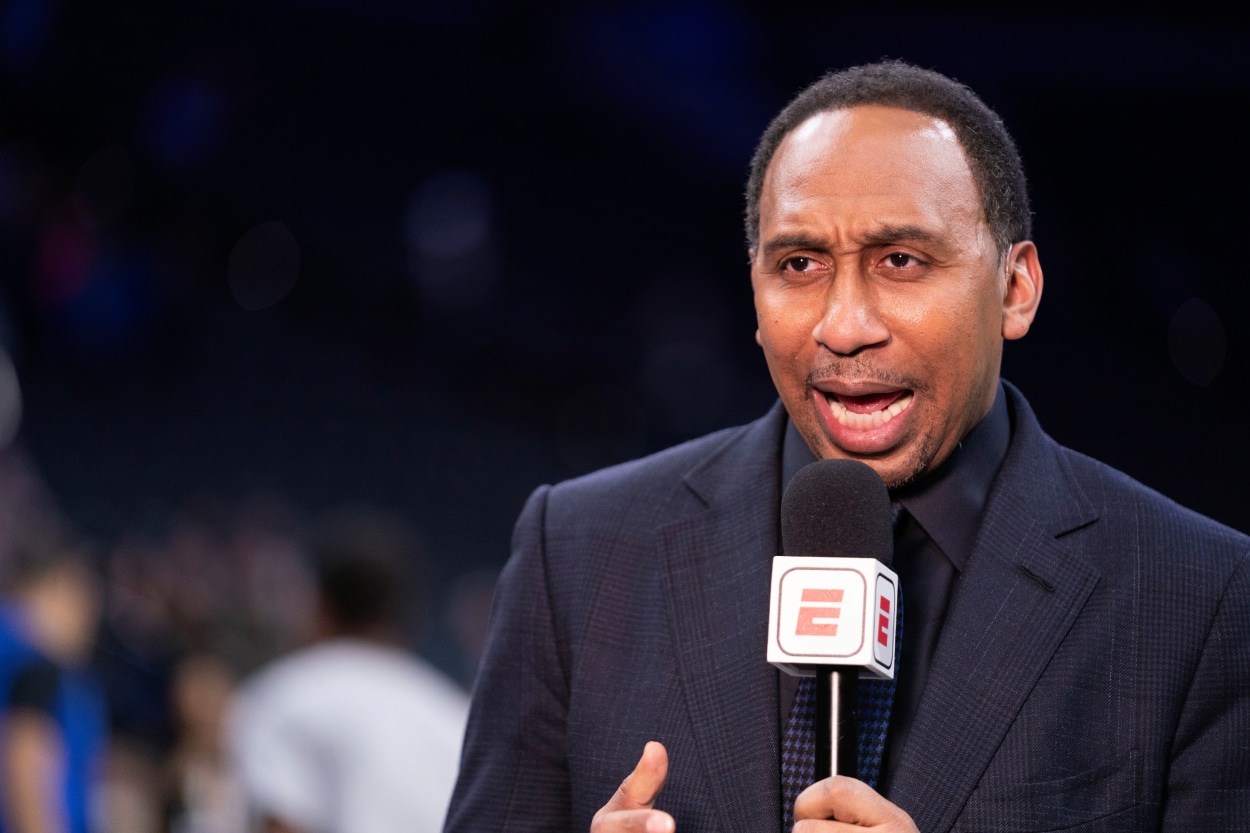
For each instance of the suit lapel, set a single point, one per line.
(1013, 605)
(719, 562)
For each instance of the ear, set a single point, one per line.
(1022, 291)
(750, 263)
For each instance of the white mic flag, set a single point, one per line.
(828, 610)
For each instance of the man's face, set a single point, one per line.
(881, 299)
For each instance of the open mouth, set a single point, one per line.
(861, 413)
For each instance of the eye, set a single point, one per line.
(800, 264)
(901, 260)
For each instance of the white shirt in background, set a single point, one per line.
(349, 736)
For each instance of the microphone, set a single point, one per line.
(834, 598)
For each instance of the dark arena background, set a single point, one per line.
(264, 263)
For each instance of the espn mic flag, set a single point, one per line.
(834, 599)
(832, 611)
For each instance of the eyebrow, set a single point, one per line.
(882, 235)
(792, 241)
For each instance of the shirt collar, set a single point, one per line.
(949, 501)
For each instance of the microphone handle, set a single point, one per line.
(837, 721)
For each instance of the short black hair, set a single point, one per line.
(991, 154)
(368, 570)
(360, 591)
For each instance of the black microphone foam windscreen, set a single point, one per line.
(840, 508)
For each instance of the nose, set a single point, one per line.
(851, 321)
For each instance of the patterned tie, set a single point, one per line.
(798, 744)
(876, 697)
(798, 749)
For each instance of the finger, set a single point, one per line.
(640, 787)
(633, 821)
(850, 801)
(629, 810)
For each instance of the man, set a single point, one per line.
(351, 734)
(1075, 648)
(52, 710)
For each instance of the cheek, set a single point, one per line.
(964, 319)
(784, 356)
(972, 341)
(785, 324)
(783, 349)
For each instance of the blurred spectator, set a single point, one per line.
(53, 736)
(129, 803)
(203, 795)
(27, 507)
(172, 649)
(469, 600)
(352, 734)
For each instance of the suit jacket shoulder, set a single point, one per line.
(634, 608)
(1122, 500)
(1094, 661)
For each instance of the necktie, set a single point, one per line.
(876, 698)
(798, 750)
(798, 744)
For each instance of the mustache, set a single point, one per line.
(857, 369)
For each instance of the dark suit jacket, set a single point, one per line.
(1093, 672)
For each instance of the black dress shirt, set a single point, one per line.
(934, 537)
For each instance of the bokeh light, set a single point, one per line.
(104, 187)
(10, 400)
(449, 230)
(1196, 342)
(184, 122)
(264, 266)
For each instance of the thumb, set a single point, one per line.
(640, 788)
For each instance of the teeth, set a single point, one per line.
(862, 422)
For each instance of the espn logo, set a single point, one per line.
(832, 611)
(819, 611)
(883, 621)
(883, 645)
(822, 612)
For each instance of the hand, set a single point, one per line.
(629, 810)
(841, 805)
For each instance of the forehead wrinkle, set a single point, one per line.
(878, 234)
(816, 229)
(827, 183)
(793, 240)
(796, 195)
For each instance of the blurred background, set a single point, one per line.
(264, 262)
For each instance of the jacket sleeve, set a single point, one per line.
(514, 769)
(1208, 784)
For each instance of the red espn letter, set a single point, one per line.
(883, 622)
(808, 626)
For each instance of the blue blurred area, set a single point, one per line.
(183, 123)
(24, 29)
(518, 246)
(670, 73)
